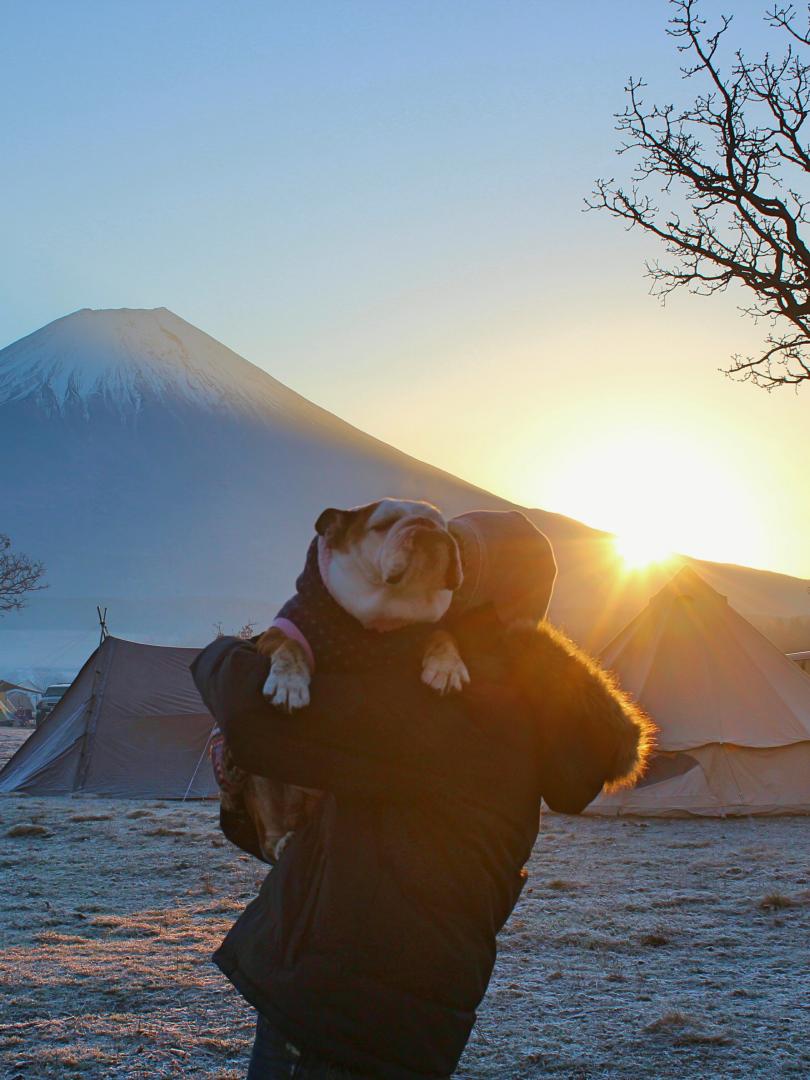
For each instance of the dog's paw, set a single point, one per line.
(288, 689)
(444, 672)
(442, 667)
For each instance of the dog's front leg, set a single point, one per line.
(442, 666)
(288, 681)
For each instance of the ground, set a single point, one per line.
(660, 949)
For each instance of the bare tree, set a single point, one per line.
(18, 577)
(247, 631)
(733, 170)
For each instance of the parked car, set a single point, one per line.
(53, 694)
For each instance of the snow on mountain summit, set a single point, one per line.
(122, 358)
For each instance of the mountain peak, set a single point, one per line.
(122, 358)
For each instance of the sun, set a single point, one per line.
(639, 550)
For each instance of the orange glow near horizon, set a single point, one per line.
(658, 492)
(639, 550)
(640, 436)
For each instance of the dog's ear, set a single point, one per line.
(332, 524)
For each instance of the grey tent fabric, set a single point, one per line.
(131, 725)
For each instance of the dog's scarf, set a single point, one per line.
(333, 639)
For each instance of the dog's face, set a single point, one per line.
(390, 563)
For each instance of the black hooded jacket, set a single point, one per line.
(373, 940)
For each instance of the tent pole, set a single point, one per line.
(102, 622)
(199, 763)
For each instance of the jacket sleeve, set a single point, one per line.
(354, 736)
(569, 779)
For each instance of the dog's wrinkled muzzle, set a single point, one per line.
(427, 539)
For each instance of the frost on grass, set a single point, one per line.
(27, 829)
(683, 1030)
(776, 901)
(633, 953)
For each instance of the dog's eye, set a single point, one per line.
(381, 526)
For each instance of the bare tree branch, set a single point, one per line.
(732, 171)
(18, 577)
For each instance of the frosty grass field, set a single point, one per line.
(639, 949)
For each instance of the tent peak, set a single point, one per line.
(687, 584)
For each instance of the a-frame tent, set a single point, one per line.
(131, 725)
(733, 711)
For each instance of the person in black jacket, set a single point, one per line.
(371, 943)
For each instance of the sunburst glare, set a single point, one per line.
(639, 551)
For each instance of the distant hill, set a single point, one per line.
(158, 473)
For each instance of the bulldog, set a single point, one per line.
(370, 571)
(389, 565)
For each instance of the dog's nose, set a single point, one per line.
(394, 579)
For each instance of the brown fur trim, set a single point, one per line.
(583, 702)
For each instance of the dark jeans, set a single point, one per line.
(273, 1058)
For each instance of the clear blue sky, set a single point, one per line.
(381, 203)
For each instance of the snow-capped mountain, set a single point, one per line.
(120, 363)
(156, 472)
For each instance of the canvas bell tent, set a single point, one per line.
(131, 725)
(733, 711)
(14, 696)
